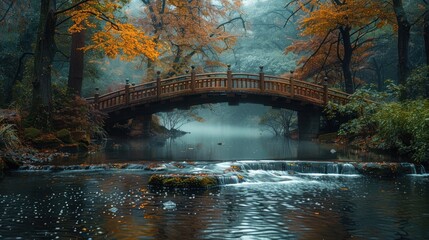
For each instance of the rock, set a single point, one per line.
(183, 180)
(70, 148)
(32, 133)
(64, 135)
(385, 170)
(169, 205)
(47, 141)
(10, 116)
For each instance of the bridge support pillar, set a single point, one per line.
(141, 125)
(309, 122)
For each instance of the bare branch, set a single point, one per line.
(7, 11)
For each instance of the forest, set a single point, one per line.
(54, 53)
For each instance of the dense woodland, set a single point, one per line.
(53, 52)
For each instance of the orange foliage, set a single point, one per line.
(189, 28)
(322, 51)
(116, 38)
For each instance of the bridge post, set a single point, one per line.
(261, 78)
(292, 85)
(96, 96)
(193, 76)
(229, 78)
(158, 84)
(325, 90)
(309, 122)
(127, 91)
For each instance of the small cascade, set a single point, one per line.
(135, 166)
(263, 165)
(422, 169)
(408, 168)
(348, 168)
(332, 168)
(302, 167)
(228, 179)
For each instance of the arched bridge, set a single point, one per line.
(192, 89)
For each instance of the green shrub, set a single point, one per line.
(401, 127)
(32, 133)
(64, 135)
(404, 127)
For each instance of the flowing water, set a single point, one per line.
(300, 191)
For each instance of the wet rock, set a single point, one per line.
(385, 170)
(47, 141)
(169, 205)
(183, 180)
(155, 167)
(70, 148)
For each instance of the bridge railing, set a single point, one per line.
(192, 82)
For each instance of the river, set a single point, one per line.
(106, 196)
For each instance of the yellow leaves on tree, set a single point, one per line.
(116, 38)
(327, 16)
(338, 37)
(123, 40)
(189, 28)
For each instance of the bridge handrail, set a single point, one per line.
(219, 81)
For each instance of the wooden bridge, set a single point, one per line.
(193, 89)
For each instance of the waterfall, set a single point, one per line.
(332, 168)
(348, 168)
(228, 179)
(422, 169)
(307, 167)
(409, 168)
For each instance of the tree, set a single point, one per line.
(404, 27)
(174, 120)
(279, 122)
(187, 29)
(115, 39)
(347, 21)
(5, 8)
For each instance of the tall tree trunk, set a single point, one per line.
(426, 40)
(404, 27)
(379, 74)
(346, 59)
(76, 62)
(44, 56)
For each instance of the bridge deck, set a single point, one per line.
(217, 82)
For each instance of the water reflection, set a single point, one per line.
(118, 205)
(200, 146)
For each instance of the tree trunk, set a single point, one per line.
(44, 56)
(426, 40)
(76, 63)
(379, 75)
(347, 58)
(403, 41)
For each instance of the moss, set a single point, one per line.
(64, 135)
(47, 141)
(32, 133)
(183, 181)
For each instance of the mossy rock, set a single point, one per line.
(81, 136)
(385, 170)
(70, 148)
(47, 141)
(64, 135)
(183, 181)
(32, 133)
